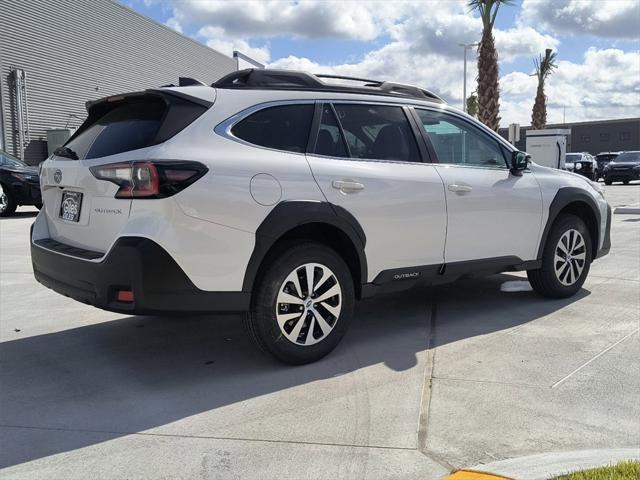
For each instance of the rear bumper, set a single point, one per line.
(138, 264)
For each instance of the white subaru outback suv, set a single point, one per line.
(289, 197)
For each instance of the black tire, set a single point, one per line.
(10, 206)
(262, 322)
(607, 182)
(626, 182)
(545, 280)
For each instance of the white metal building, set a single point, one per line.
(57, 54)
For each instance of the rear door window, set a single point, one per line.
(283, 127)
(378, 132)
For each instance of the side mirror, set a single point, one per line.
(519, 162)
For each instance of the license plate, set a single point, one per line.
(70, 206)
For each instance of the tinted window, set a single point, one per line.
(628, 157)
(330, 141)
(7, 161)
(458, 142)
(378, 132)
(129, 126)
(285, 127)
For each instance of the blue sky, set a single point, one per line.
(597, 44)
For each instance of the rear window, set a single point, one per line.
(284, 127)
(130, 124)
(573, 157)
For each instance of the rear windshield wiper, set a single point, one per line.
(66, 152)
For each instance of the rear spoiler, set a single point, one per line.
(117, 98)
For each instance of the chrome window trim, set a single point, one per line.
(373, 160)
(224, 128)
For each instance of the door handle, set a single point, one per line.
(454, 187)
(347, 186)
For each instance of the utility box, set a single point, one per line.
(56, 137)
(548, 147)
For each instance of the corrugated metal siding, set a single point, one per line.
(79, 50)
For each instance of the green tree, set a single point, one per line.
(472, 105)
(545, 65)
(487, 91)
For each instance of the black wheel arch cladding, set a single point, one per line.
(290, 215)
(573, 200)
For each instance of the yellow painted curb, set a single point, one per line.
(473, 475)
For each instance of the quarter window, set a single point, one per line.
(377, 132)
(284, 127)
(458, 142)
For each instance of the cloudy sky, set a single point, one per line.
(598, 45)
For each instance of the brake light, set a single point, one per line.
(147, 179)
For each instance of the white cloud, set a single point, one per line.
(422, 47)
(174, 24)
(522, 41)
(306, 18)
(602, 18)
(215, 38)
(605, 85)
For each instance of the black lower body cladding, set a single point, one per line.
(133, 264)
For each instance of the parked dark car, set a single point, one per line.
(19, 184)
(582, 163)
(624, 168)
(603, 159)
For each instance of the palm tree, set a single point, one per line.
(488, 94)
(545, 65)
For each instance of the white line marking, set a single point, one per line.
(594, 358)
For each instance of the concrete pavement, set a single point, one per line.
(424, 382)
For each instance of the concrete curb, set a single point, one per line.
(627, 210)
(546, 465)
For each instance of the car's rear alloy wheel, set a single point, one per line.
(570, 257)
(308, 305)
(566, 259)
(302, 302)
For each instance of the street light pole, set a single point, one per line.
(465, 46)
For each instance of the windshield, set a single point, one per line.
(7, 160)
(573, 157)
(627, 157)
(606, 157)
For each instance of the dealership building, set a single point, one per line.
(593, 137)
(55, 55)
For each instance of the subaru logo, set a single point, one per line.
(57, 176)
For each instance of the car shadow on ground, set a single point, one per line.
(17, 215)
(136, 373)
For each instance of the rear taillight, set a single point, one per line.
(147, 179)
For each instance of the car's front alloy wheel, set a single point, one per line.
(570, 257)
(566, 259)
